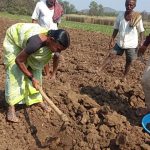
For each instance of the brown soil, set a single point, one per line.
(100, 106)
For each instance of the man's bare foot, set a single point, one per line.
(11, 114)
(62, 59)
(45, 107)
(142, 111)
(124, 78)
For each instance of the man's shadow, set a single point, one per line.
(3, 105)
(113, 100)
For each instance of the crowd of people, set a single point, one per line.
(28, 47)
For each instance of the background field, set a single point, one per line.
(102, 26)
(100, 105)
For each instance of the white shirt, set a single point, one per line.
(127, 36)
(44, 15)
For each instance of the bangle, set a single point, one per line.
(30, 77)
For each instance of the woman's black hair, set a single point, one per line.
(61, 36)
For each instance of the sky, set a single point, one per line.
(115, 4)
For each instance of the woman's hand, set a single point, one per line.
(35, 83)
(52, 77)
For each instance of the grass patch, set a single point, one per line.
(106, 29)
(87, 27)
(20, 18)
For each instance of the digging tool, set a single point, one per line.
(63, 116)
(140, 56)
(106, 60)
(142, 59)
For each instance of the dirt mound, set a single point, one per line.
(100, 106)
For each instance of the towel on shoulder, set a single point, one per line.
(136, 17)
(58, 12)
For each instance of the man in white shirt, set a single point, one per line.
(127, 26)
(43, 14)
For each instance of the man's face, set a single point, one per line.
(50, 3)
(130, 5)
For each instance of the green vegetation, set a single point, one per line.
(26, 7)
(106, 29)
(147, 31)
(22, 7)
(87, 27)
(65, 24)
(20, 18)
(103, 24)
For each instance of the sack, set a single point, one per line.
(58, 12)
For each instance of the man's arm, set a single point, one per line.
(141, 38)
(56, 58)
(140, 29)
(112, 41)
(115, 31)
(143, 48)
(36, 13)
(34, 21)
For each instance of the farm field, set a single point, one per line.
(102, 26)
(101, 107)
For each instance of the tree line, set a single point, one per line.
(26, 7)
(20, 7)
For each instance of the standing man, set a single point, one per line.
(47, 13)
(127, 26)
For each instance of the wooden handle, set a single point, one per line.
(53, 106)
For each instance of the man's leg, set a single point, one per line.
(131, 55)
(127, 68)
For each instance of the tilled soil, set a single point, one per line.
(100, 105)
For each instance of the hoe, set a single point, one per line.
(63, 116)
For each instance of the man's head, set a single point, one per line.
(50, 3)
(58, 40)
(130, 5)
